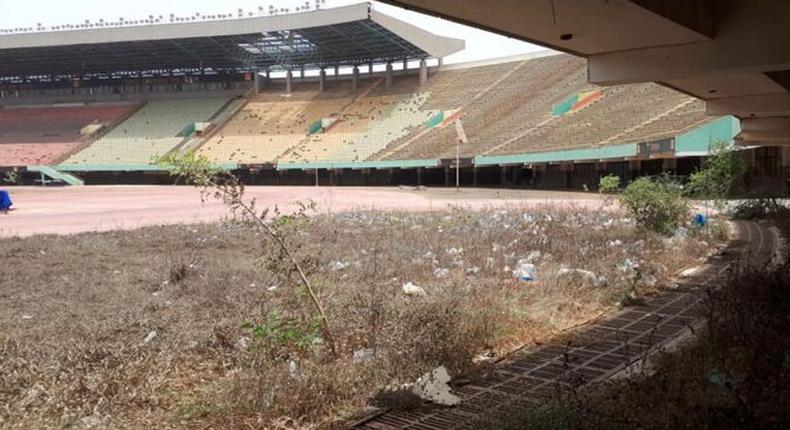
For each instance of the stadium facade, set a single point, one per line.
(347, 96)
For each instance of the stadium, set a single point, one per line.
(284, 99)
(365, 212)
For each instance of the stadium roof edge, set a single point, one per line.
(343, 36)
(434, 45)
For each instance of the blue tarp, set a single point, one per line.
(5, 201)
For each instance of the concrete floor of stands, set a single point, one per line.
(70, 210)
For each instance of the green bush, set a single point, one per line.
(714, 180)
(609, 184)
(656, 204)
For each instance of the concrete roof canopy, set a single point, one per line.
(344, 36)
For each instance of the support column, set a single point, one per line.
(405, 66)
(301, 73)
(423, 72)
(446, 176)
(503, 176)
(288, 80)
(321, 80)
(355, 79)
(337, 72)
(419, 176)
(260, 82)
(474, 176)
(388, 76)
(441, 62)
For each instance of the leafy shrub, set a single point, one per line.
(714, 179)
(9, 177)
(656, 204)
(609, 184)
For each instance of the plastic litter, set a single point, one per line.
(151, 336)
(364, 355)
(699, 220)
(434, 387)
(440, 272)
(412, 290)
(524, 270)
(336, 266)
(584, 276)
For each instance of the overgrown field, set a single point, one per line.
(203, 327)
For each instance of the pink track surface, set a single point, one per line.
(69, 210)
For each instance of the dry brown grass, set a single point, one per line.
(76, 312)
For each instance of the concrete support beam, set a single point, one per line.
(261, 82)
(355, 79)
(749, 125)
(405, 67)
(764, 137)
(748, 106)
(321, 80)
(388, 76)
(288, 82)
(749, 39)
(423, 72)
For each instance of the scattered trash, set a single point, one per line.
(699, 220)
(454, 251)
(689, 272)
(243, 342)
(649, 281)
(27, 317)
(585, 276)
(151, 336)
(336, 266)
(91, 421)
(364, 355)
(440, 272)
(615, 243)
(474, 270)
(532, 257)
(681, 233)
(486, 357)
(627, 266)
(524, 270)
(412, 290)
(529, 219)
(272, 287)
(434, 387)
(293, 370)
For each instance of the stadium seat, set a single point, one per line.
(150, 133)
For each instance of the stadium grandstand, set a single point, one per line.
(343, 96)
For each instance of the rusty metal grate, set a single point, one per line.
(531, 377)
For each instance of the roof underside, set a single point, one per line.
(353, 38)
